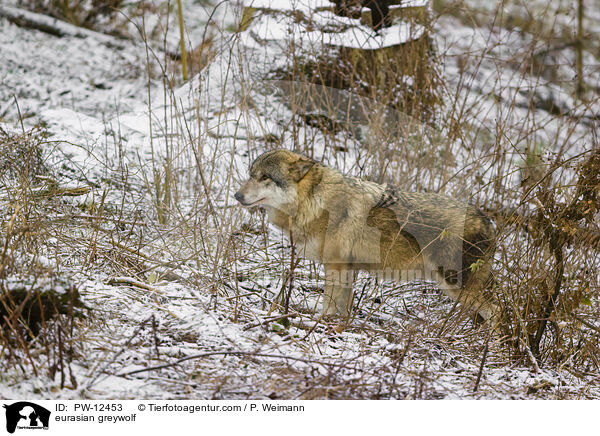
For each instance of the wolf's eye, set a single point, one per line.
(263, 178)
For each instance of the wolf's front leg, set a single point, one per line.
(338, 296)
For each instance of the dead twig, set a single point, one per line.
(116, 281)
(118, 353)
(238, 353)
(56, 191)
(532, 358)
(481, 365)
(585, 323)
(272, 319)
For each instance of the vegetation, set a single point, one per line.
(158, 230)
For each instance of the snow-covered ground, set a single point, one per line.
(195, 292)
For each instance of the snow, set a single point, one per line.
(363, 38)
(61, 27)
(269, 27)
(411, 4)
(310, 6)
(116, 134)
(289, 5)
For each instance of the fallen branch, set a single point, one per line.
(129, 249)
(56, 191)
(118, 353)
(236, 353)
(56, 27)
(61, 192)
(271, 319)
(116, 281)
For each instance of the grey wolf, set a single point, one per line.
(350, 224)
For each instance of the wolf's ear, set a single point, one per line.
(299, 168)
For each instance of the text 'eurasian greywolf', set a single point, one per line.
(350, 224)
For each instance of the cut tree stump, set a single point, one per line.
(338, 51)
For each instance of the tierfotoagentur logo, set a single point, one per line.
(24, 415)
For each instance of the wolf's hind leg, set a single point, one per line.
(472, 294)
(338, 296)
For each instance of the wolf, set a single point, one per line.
(350, 224)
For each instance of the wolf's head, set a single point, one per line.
(274, 179)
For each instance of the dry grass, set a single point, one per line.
(85, 13)
(152, 231)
